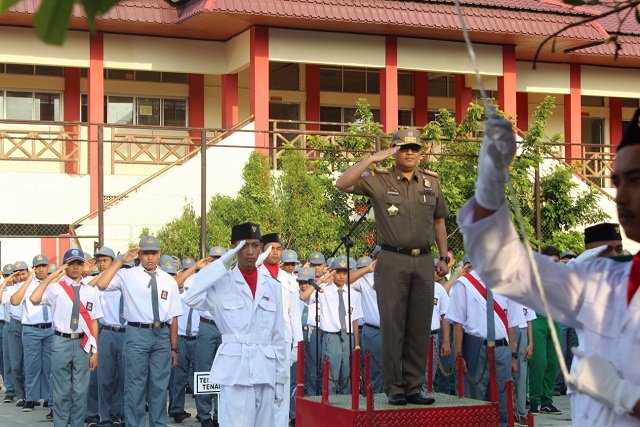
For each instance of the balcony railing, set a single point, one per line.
(167, 147)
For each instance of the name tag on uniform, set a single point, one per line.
(393, 192)
(164, 294)
(89, 306)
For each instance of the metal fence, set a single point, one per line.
(99, 184)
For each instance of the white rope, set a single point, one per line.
(534, 266)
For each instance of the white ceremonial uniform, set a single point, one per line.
(591, 296)
(251, 359)
(292, 331)
(440, 305)
(369, 300)
(469, 308)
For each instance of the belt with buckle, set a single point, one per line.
(188, 338)
(40, 325)
(74, 336)
(114, 328)
(498, 343)
(412, 252)
(147, 325)
(369, 325)
(208, 321)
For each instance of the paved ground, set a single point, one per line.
(11, 416)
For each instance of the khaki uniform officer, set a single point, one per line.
(151, 306)
(409, 211)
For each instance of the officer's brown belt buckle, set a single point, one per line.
(415, 252)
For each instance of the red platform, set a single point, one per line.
(374, 411)
(449, 411)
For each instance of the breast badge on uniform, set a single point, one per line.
(164, 295)
(393, 191)
(392, 210)
(367, 174)
(89, 306)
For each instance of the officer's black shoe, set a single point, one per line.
(419, 399)
(181, 417)
(397, 399)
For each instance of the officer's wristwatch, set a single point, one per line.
(174, 349)
(445, 259)
(514, 355)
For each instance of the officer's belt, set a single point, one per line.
(188, 337)
(403, 251)
(372, 326)
(248, 339)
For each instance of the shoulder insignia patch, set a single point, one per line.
(428, 172)
(382, 171)
(367, 174)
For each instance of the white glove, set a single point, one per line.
(599, 379)
(279, 393)
(589, 254)
(294, 355)
(228, 256)
(263, 256)
(496, 153)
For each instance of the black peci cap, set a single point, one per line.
(248, 230)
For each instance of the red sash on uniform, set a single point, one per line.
(483, 291)
(84, 314)
(634, 278)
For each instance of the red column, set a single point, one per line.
(615, 120)
(573, 116)
(64, 244)
(522, 110)
(313, 96)
(95, 110)
(71, 114)
(463, 97)
(420, 98)
(259, 85)
(49, 247)
(507, 82)
(389, 86)
(230, 100)
(196, 100)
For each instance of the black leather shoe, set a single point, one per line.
(397, 399)
(178, 418)
(418, 399)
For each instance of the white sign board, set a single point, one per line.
(202, 385)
